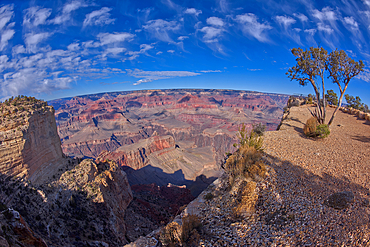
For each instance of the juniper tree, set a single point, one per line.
(314, 64)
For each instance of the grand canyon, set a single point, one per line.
(162, 136)
(139, 156)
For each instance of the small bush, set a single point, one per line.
(313, 129)
(322, 131)
(175, 234)
(259, 129)
(251, 140)
(247, 162)
(209, 196)
(310, 127)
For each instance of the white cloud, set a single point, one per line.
(251, 27)
(310, 31)
(143, 50)
(35, 16)
(215, 21)
(33, 39)
(211, 71)
(324, 28)
(142, 81)
(162, 29)
(181, 38)
(350, 21)
(66, 12)
(99, 17)
(159, 53)
(6, 14)
(327, 14)
(365, 75)
(301, 16)
(18, 49)
(109, 38)
(193, 11)
(171, 51)
(147, 76)
(73, 46)
(285, 21)
(5, 37)
(211, 33)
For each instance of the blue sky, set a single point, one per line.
(54, 49)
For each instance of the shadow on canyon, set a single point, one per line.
(150, 174)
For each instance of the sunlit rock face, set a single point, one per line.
(29, 143)
(177, 134)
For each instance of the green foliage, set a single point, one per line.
(331, 97)
(322, 131)
(356, 103)
(259, 129)
(314, 64)
(251, 139)
(313, 129)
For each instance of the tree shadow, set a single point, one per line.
(364, 139)
(315, 188)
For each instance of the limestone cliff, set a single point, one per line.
(64, 202)
(29, 143)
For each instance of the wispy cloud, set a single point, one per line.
(6, 27)
(99, 18)
(161, 29)
(68, 8)
(301, 17)
(285, 21)
(143, 50)
(351, 23)
(251, 27)
(35, 16)
(324, 28)
(211, 34)
(327, 14)
(32, 40)
(192, 11)
(211, 71)
(148, 76)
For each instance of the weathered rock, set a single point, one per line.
(340, 200)
(16, 232)
(29, 144)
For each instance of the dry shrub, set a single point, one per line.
(248, 199)
(310, 127)
(190, 225)
(247, 162)
(175, 234)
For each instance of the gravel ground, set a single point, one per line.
(292, 209)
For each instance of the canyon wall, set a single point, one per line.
(29, 143)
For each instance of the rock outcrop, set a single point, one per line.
(29, 143)
(64, 202)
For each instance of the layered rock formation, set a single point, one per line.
(64, 202)
(29, 143)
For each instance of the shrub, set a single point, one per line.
(309, 100)
(209, 196)
(310, 127)
(247, 162)
(259, 129)
(251, 140)
(175, 234)
(322, 131)
(314, 129)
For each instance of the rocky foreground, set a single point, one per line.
(314, 193)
